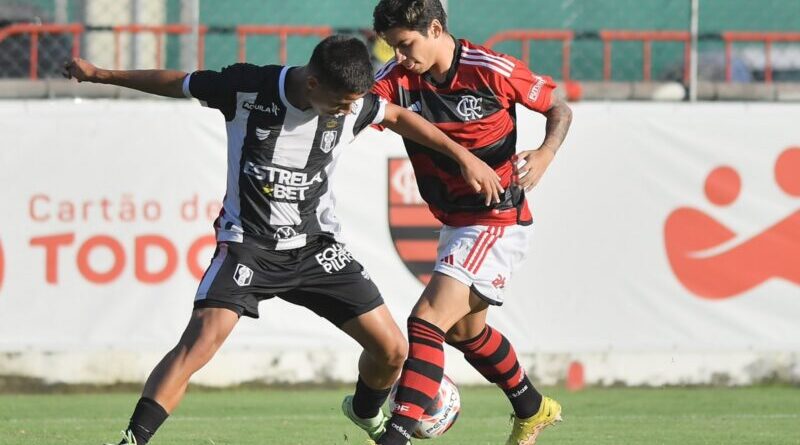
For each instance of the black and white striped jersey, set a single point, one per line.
(280, 158)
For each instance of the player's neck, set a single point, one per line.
(444, 58)
(296, 92)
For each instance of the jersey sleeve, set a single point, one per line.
(217, 89)
(372, 111)
(525, 87)
(384, 87)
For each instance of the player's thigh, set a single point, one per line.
(378, 333)
(483, 257)
(334, 285)
(208, 328)
(469, 327)
(445, 301)
(241, 275)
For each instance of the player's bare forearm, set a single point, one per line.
(167, 83)
(412, 126)
(559, 118)
(476, 172)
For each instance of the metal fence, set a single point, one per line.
(738, 41)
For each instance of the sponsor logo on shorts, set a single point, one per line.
(365, 275)
(334, 258)
(243, 276)
(499, 282)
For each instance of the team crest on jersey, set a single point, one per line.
(470, 108)
(285, 233)
(328, 140)
(243, 275)
(413, 227)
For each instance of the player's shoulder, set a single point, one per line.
(390, 70)
(481, 58)
(250, 77)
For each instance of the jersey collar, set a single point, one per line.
(451, 73)
(282, 90)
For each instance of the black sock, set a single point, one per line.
(367, 401)
(398, 431)
(525, 399)
(147, 417)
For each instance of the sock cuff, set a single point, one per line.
(475, 343)
(425, 326)
(152, 404)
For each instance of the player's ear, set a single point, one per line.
(312, 83)
(435, 29)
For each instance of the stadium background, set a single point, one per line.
(667, 246)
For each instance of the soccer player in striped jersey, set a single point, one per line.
(469, 92)
(277, 233)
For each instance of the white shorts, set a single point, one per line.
(482, 257)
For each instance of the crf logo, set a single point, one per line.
(411, 223)
(469, 107)
(285, 233)
(243, 276)
(499, 282)
(706, 255)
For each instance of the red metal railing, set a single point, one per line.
(76, 29)
(768, 38)
(159, 31)
(283, 32)
(525, 37)
(647, 38)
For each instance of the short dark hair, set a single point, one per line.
(415, 15)
(342, 63)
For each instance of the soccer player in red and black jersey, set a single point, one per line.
(470, 93)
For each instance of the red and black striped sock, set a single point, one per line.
(493, 356)
(419, 383)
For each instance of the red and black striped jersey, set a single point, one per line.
(475, 106)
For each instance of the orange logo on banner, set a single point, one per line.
(412, 225)
(695, 241)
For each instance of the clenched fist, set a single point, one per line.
(80, 70)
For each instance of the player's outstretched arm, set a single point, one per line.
(476, 172)
(167, 83)
(559, 118)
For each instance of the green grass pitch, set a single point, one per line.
(751, 416)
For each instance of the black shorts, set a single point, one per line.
(322, 276)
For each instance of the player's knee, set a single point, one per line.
(394, 352)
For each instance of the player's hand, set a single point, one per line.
(80, 70)
(483, 179)
(534, 166)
